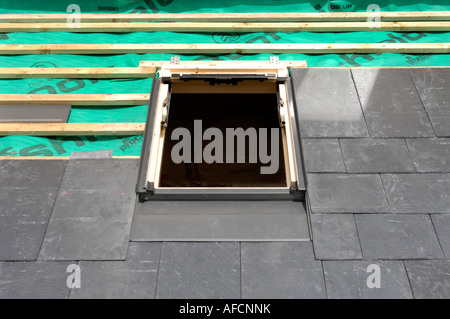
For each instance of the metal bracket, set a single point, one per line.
(274, 60)
(233, 77)
(175, 60)
(282, 113)
(165, 115)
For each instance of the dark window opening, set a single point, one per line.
(222, 111)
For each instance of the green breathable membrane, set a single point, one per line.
(178, 6)
(129, 146)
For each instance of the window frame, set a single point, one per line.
(149, 174)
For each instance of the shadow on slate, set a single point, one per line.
(27, 194)
(93, 212)
(390, 103)
(433, 86)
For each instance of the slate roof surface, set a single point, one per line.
(378, 167)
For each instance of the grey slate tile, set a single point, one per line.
(281, 271)
(390, 103)
(335, 237)
(430, 279)
(348, 280)
(32, 174)
(134, 278)
(442, 226)
(323, 155)
(37, 280)
(418, 193)
(31, 204)
(27, 195)
(24, 216)
(220, 221)
(91, 175)
(149, 253)
(108, 202)
(345, 193)
(328, 104)
(199, 271)
(433, 86)
(40, 113)
(177, 207)
(226, 227)
(20, 239)
(376, 156)
(86, 239)
(430, 155)
(93, 212)
(385, 236)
